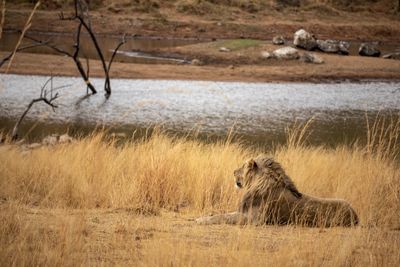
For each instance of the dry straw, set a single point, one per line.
(94, 202)
(28, 24)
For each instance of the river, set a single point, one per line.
(258, 113)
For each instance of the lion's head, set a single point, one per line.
(263, 173)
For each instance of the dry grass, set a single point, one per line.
(95, 202)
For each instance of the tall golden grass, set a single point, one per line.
(96, 202)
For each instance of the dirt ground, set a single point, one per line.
(229, 23)
(335, 68)
(243, 64)
(122, 237)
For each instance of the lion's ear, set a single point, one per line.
(252, 164)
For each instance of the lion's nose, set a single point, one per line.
(238, 184)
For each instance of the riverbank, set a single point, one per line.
(255, 24)
(335, 69)
(206, 20)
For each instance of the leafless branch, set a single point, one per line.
(81, 15)
(46, 96)
(48, 44)
(74, 56)
(123, 41)
(4, 60)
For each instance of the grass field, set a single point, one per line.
(96, 202)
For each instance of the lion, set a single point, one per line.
(271, 197)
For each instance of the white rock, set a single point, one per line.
(266, 55)
(65, 138)
(196, 62)
(304, 39)
(286, 53)
(311, 58)
(224, 49)
(278, 40)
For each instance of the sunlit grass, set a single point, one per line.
(95, 202)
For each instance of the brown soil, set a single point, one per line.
(239, 65)
(232, 23)
(110, 237)
(335, 68)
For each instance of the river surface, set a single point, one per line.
(258, 113)
(133, 51)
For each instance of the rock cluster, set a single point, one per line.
(56, 139)
(290, 53)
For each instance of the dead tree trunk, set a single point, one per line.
(82, 16)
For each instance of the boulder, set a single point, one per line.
(55, 139)
(278, 40)
(369, 50)
(266, 55)
(50, 140)
(328, 46)
(286, 53)
(224, 49)
(333, 46)
(311, 58)
(344, 47)
(65, 138)
(305, 40)
(196, 62)
(395, 55)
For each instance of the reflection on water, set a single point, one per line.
(258, 112)
(108, 44)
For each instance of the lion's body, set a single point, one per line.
(272, 198)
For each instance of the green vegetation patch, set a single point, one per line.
(237, 44)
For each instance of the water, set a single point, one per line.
(257, 112)
(107, 43)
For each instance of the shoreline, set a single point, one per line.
(336, 69)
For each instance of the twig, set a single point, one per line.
(123, 41)
(48, 44)
(28, 24)
(4, 60)
(44, 97)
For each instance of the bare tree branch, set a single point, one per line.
(48, 44)
(74, 56)
(44, 97)
(123, 41)
(81, 15)
(4, 60)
